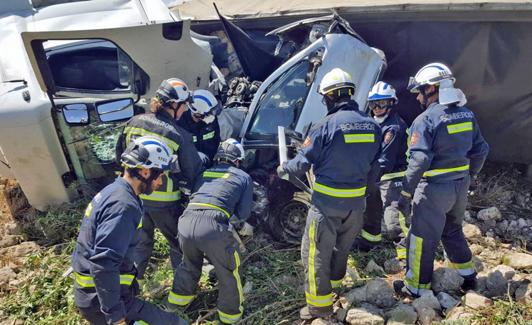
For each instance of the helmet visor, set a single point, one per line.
(413, 85)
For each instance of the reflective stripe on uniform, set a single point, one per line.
(209, 174)
(164, 196)
(208, 136)
(228, 318)
(179, 300)
(312, 258)
(130, 131)
(387, 177)
(233, 318)
(86, 281)
(194, 139)
(401, 252)
(369, 237)
(359, 138)
(460, 127)
(211, 206)
(414, 262)
(436, 172)
(336, 283)
(88, 210)
(140, 322)
(464, 269)
(402, 223)
(319, 301)
(339, 192)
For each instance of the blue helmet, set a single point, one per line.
(382, 90)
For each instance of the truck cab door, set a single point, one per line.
(98, 79)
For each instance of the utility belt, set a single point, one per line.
(208, 206)
(87, 281)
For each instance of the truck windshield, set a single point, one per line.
(282, 102)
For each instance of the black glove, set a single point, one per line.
(404, 204)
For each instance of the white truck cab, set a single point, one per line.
(70, 74)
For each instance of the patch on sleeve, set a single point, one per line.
(388, 137)
(307, 143)
(414, 138)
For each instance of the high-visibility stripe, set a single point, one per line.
(319, 301)
(140, 224)
(208, 136)
(339, 192)
(228, 318)
(402, 223)
(130, 131)
(401, 252)
(359, 138)
(86, 281)
(179, 300)
(236, 274)
(464, 269)
(210, 174)
(88, 210)
(336, 283)
(387, 177)
(369, 237)
(140, 322)
(436, 172)
(312, 257)
(194, 139)
(460, 127)
(414, 261)
(212, 206)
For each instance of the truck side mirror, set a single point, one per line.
(76, 113)
(115, 110)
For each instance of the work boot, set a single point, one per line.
(362, 245)
(305, 314)
(400, 289)
(470, 283)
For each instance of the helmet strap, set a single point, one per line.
(427, 95)
(146, 181)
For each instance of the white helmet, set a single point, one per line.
(382, 90)
(173, 90)
(148, 152)
(431, 74)
(336, 79)
(231, 150)
(203, 104)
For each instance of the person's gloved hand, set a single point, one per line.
(246, 230)
(281, 172)
(404, 204)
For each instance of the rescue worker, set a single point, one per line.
(338, 199)
(105, 287)
(446, 150)
(224, 198)
(164, 206)
(382, 99)
(202, 123)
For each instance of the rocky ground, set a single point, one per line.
(498, 226)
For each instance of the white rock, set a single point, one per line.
(447, 301)
(458, 314)
(24, 249)
(426, 300)
(519, 261)
(446, 279)
(468, 217)
(321, 321)
(380, 293)
(521, 223)
(373, 268)
(472, 231)
(6, 275)
(475, 301)
(362, 316)
(392, 266)
(489, 214)
(402, 314)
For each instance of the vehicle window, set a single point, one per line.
(282, 102)
(93, 65)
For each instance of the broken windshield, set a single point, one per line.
(282, 102)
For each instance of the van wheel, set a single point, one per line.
(287, 221)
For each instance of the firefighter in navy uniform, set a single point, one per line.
(223, 199)
(164, 206)
(202, 123)
(392, 162)
(338, 199)
(105, 284)
(446, 151)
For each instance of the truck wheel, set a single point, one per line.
(287, 221)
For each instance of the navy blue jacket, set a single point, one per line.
(104, 248)
(225, 188)
(342, 148)
(393, 148)
(445, 144)
(206, 137)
